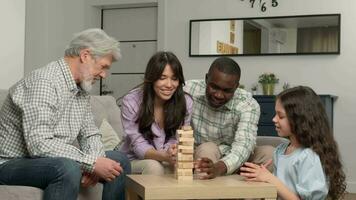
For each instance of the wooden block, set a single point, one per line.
(186, 143)
(187, 128)
(184, 172)
(185, 147)
(191, 132)
(186, 151)
(184, 157)
(185, 178)
(185, 165)
(185, 135)
(186, 139)
(182, 133)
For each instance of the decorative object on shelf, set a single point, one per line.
(285, 85)
(254, 89)
(268, 80)
(224, 48)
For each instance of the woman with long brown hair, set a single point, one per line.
(309, 166)
(151, 114)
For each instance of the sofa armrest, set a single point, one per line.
(270, 140)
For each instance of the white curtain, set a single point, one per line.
(317, 39)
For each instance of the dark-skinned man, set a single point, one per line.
(225, 121)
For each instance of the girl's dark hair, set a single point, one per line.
(310, 124)
(174, 109)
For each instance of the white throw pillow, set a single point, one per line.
(109, 138)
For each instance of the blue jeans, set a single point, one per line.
(116, 188)
(59, 178)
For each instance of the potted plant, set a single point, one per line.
(268, 80)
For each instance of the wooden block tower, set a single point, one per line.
(184, 167)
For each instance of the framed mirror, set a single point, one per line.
(286, 35)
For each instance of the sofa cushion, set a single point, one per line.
(105, 107)
(8, 192)
(109, 138)
(13, 192)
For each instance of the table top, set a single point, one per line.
(167, 187)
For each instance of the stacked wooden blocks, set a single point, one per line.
(184, 167)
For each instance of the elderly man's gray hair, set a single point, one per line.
(97, 41)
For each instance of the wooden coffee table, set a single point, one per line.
(224, 187)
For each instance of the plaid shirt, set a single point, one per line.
(44, 114)
(233, 126)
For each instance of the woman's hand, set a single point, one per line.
(172, 154)
(253, 172)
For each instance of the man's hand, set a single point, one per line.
(107, 169)
(209, 169)
(89, 180)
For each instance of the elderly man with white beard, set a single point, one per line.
(45, 112)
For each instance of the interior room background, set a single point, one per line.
(35, 32)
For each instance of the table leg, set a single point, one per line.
(131, 195)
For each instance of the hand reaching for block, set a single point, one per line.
(172, 154)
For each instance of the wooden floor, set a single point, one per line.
(350, 196)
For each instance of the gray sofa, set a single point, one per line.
(103, 107)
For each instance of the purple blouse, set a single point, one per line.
(135, 145)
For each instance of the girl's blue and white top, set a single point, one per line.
(302, 172)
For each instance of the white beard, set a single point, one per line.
(86, 85)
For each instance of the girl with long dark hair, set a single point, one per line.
(309, 166)
(151, 114)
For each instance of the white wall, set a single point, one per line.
(12, 40)
(50, 25)
(328, 74)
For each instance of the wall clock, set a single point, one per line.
(263, 4)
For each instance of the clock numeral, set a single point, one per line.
(274, 3)
(252, 2)
(263, 3)
(263, 7)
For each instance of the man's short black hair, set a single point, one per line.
(226, 65)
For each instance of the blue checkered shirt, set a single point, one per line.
(43, 115)
(233, 126)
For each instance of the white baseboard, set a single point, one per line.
(351, 187)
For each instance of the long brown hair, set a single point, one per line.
(310, 125)
(174, 109)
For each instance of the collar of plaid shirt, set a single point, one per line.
(71, 84)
